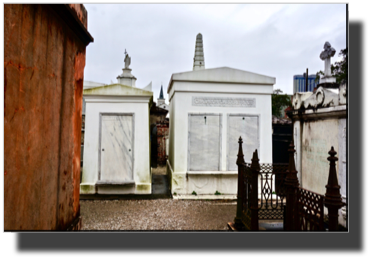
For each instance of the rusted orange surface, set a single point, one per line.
(81, 13)
(43, 81)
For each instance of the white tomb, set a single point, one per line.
(319, 122)
(209, 110)
(116, 156)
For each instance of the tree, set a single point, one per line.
(339, 69)
(280, 102)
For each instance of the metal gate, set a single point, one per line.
(272, 196)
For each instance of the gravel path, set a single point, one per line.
(165, 214)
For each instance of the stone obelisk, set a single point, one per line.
(199, 59)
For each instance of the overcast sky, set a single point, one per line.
(278, 40)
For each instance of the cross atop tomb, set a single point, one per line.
(326, 55)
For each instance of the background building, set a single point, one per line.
(299, 83)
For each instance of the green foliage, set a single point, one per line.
(175, 193)
(318, 75)
(339, 69)
(194, 193)
(218, 193)
(279, 102)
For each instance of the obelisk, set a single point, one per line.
(199, 59)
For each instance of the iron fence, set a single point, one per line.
(272, 192)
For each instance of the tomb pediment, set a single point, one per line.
(223, 74)
(117, 90)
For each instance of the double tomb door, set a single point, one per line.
(206, 136)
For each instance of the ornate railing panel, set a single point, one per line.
(271, 186)
(309, 210)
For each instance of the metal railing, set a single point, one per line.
(280, 196)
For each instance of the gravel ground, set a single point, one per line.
(164, 214)
(160, 170)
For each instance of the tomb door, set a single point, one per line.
(246, 126)
(116, 147)
(204, 142)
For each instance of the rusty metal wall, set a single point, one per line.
(44, 59)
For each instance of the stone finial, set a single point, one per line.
(199, 60)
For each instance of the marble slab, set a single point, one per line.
(204, 142)
(248, 128)
(116, 148)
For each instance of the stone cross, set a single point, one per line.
(326, 56)
(127, 60)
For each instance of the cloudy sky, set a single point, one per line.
(278, 40)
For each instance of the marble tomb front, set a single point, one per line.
(209, 110)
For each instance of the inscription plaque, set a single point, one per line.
(224, 102)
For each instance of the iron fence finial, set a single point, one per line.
(255, 161)
(240, 155)
(333, 200)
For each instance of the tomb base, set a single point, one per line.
(213, 185)
(118, 188)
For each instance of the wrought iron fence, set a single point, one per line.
(309, 211)
(281, 197)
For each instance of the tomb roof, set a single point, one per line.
(223, 75)
(117, 90)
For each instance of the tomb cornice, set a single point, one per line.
(117, 98)
(321, 113)
(221, 75)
